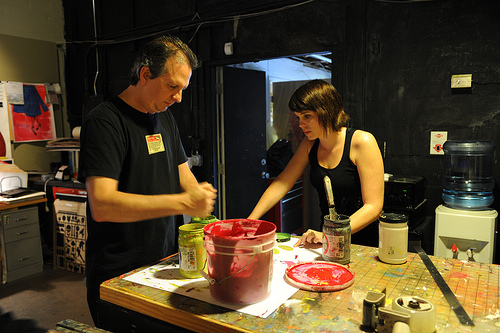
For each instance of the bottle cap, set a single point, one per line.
(393, 218)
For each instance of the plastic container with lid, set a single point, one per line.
(468, 174)
(393, 238)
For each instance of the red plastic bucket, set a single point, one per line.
(240, 260)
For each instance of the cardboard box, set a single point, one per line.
(70, 235)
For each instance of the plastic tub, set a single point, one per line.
(240, 260)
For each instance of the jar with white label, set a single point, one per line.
(192, 254)
(393, 238)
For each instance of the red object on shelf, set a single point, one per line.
(76, 192)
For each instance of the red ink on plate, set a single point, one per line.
(319, 276)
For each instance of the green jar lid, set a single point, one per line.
(204, 220)
(191, 228)
(282, 237)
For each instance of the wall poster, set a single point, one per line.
(33, 120)
(5, 148)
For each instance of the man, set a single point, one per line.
(136, 170)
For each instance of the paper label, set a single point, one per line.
(155, 143)
(187, 260)
(334, 247)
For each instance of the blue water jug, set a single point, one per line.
(468, 179)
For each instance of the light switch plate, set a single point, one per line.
(461, 81)
(228, 48)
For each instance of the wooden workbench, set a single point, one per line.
(476, 286)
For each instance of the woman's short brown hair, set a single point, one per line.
(321, 97)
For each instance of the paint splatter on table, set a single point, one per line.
(476, 286)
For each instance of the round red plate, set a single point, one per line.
(319, 276)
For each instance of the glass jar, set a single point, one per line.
(337, 239)
(192, 254)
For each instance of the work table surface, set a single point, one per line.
(475, 285)
(15, 205)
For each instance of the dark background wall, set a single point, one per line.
(411, 52)
(392, 63)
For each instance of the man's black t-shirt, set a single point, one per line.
(141, 151)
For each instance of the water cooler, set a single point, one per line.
(472, 232)
(465, 225)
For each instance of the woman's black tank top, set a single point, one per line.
(344, 177)
(346, 190)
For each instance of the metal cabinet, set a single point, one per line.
(20, 243)
(287, 214)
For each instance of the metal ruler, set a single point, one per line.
(445, 289)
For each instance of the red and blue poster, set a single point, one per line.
(33, 120)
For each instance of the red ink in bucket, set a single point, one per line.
(240, 259)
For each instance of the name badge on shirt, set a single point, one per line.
(155, 143)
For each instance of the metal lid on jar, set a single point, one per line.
(393, 218)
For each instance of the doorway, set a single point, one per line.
(252, 114)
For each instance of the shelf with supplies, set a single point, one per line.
(63, 144)
(72, 147)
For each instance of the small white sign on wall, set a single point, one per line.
(438, 138)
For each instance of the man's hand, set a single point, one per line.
(201, 200)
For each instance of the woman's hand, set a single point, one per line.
(311, 238)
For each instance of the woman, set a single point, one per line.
(351, 158)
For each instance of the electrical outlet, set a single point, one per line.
(461, 81)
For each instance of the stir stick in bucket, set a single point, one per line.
(329, 196)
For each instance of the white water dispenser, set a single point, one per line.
(473, 232)
(465, 224)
